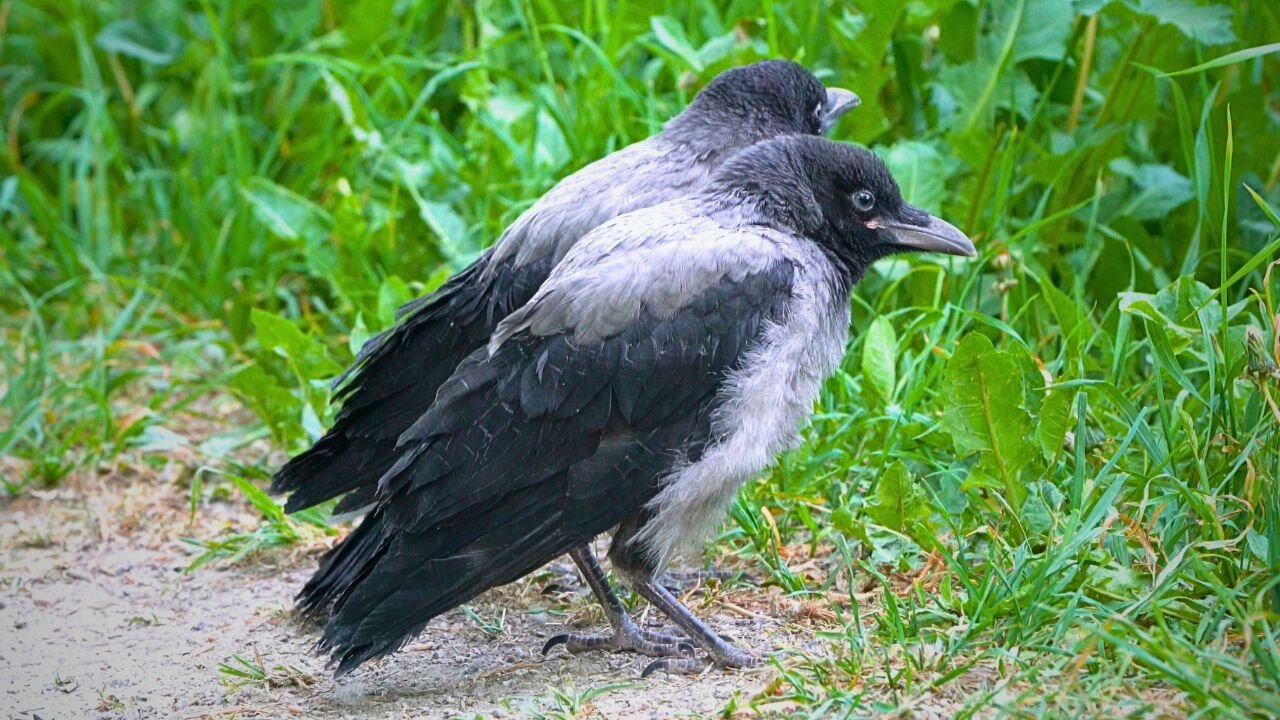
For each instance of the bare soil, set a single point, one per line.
(99, 619)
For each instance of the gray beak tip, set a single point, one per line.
(839, 102)
(961, 246)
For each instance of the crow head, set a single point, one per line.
(840, 196)
(755, 102)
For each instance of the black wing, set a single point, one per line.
(395, 379)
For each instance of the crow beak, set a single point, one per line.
(839, 102)
(918, 230)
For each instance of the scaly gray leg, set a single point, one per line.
(639, 570)
(626, 634)
(718, 650)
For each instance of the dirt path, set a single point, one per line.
(97, 619)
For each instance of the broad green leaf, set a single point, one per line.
(977, 92)
(842, 519)
(984, 413)
(446, 224)
(879, 361)
(278, 408)
(670, 35)
(551, 149)
(1072, 321)
(1161, 189)
(1207, 23)
(358, 336)
(992, 79)
(1039, 510)
(259, 499)
(1144, 305)
(280, 336)
(717, 48)
(951, 497)
(1153, 308)
(898, 502)
(1046, 27)
(1258, 544)
(1056, 418)
(362, 23)
(141, 40)
(1179, 308)
(921, 172)
(284, 212)
(392, 295)
(505, 109)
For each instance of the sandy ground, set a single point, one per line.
(98, 619)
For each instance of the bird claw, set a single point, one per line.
(694, 665)
(554, 641)
(675, 666)
(644, 642)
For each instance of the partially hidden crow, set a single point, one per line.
(670, 356)
(396, 376)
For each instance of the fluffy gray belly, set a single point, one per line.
(759, 414)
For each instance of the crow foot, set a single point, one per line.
(730, 657)
(628, 638)
(718, 651)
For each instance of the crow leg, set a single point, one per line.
(718, 650)
(594, 574)
(626, 634)
(640, 572)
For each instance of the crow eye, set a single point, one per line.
(864, 201)
(817, 109)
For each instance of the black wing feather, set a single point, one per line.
(394, 380)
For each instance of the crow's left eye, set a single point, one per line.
(817, 110)
(864, 201)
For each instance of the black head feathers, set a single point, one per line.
(841, 196)
(744, 105)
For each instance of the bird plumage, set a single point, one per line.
(504, 472)
(671, 355)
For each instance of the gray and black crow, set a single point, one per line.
(670, 356)
(395, 378)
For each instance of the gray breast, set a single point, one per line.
(761, 408)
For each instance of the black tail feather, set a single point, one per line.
(394, 381)
(391, 385)
(417, 576)
(344, 566)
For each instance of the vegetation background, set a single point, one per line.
(1058, 459)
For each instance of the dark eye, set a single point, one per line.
(864, 201)
(817, 109)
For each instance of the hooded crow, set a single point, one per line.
(670, 356)
(397, 374)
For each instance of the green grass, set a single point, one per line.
(1058, 462)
